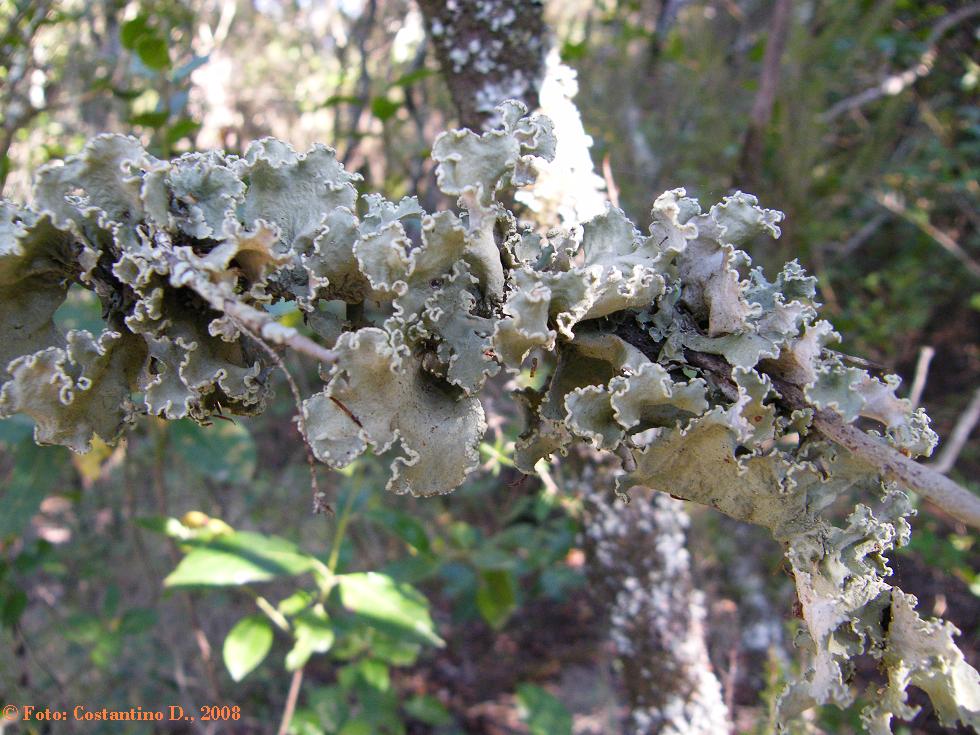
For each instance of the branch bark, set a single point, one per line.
(952, 498)
(894, 204)
(260, 322)
(934, 486)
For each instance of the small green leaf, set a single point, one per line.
(184, 128)
(357, 726)
(238, 558)
(152, 50)
(151, 119)
(314, 634)
(246, 645)
(167, 526)
(543, 712)
(374, 673)
(127, 94)
(131, 31)
(295, 603)
(383, 108)
(406, 527)
(496, 596)
(340, 99)
(388, 604)
(428, 709)
(412, 77)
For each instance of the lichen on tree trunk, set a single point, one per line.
(489, 51)
(640, 572)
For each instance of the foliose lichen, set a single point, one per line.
(668, 349)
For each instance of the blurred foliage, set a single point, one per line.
(184, 567)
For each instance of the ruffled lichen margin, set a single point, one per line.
(708, 380)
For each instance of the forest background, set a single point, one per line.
(857, 119)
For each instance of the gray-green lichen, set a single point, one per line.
(665, 347)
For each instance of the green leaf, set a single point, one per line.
(224, 452)
(428, 709)
(357, 726)
(127, 94)
(496, 596)
(239, 558)
(412, 77)
(131, 31)
(151, 119)
(295, 603)
(12, 608)
(384, 108)
(388, 604)
(374, 673)
(543, 712)
(340, 99)
(314, 634)
(406, 527)
(152, 50)
(246, 645)
(164, 525)
(184, 128)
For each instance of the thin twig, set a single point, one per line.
(184, 274)
(923, 479)
(921, 374)
(893, 203)
(750, 161)
(612, 191)
(897, 83)
(961, 432)
(320, 504)
(867, 230)
(291, 698)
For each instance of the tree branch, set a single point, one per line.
(897, 83)
(961, 432)
(260, 322)
(889, 462)
(923, 479)
(893, 203)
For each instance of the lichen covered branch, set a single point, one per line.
(666, 349)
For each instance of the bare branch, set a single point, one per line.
(893, 203)
(897, 83)
(921, 374)
(287, 714)
(961, 432)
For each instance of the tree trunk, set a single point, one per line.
(489, 51)
(640, 571)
